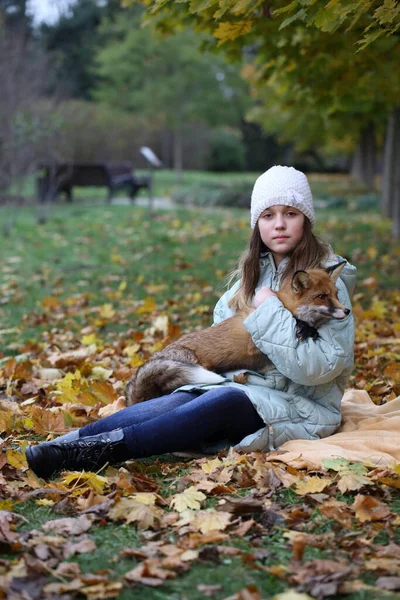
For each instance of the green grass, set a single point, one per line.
(86, 251)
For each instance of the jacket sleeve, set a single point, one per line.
(310, 362)
(222, 310)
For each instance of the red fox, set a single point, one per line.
(198, 357)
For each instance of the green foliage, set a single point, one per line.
(71, 42)
(312, 83)
(215, 194)
(227, 152)
(170, 80)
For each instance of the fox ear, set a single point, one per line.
(335, 270)
(300, 281)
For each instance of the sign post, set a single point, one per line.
(154, 163)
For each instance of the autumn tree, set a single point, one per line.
(170, 81)
(343, 55)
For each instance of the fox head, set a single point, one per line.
(312, 295)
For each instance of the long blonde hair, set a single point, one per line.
(310, 253)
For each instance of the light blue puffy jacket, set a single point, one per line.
(300, 396)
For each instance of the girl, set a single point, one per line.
(298, 398)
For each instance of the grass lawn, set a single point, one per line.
(110, 276)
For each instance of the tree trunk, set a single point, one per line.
(391, 172)
(364, 159)
(178, 154)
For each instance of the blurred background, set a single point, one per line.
(91, 81)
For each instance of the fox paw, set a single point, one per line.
(240, 378)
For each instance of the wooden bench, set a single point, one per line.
(63, 177)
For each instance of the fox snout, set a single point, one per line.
(340, 313)
(315, 314)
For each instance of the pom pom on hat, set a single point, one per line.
(282, 186)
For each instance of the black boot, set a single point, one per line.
(88, 453)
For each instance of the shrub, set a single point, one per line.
(227, 151)
(236, 195)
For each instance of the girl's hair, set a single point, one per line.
(310, 253)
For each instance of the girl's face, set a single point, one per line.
(281, 229)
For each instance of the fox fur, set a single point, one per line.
(198, 357)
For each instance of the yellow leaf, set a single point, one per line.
(89, 339)
(131, 511)
(70, 386)
(101, 373)
(352, 481)
(211, 520)
(107, 311)
(131, 350)
(148, 498)
(211, 465)
(372, 252)
(312, 485)
(190, 498)
(95, 482)
(230, 31)
(136, 361)
(122, 286)
(16, 459)
(148, 306)
(116, 258)
(45, 502)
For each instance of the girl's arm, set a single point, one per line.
(273, 330)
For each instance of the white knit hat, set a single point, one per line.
(283, 186)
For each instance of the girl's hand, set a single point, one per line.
(262, 294)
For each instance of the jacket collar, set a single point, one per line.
(266, 257)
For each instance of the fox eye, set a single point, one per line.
(322, 296)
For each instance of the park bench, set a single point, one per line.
(63, 177)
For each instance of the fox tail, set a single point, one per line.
(162, 376)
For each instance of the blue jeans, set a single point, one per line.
(182, 421)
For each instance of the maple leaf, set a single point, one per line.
(211, 520)
(352, 475)
(106, 312)
(210, 466)
(95, 482)
(230, 31)
(133, 511)
(149, 498)
(190, 498)
(312, 485)
(16, 459)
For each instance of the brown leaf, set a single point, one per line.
(251, 592)
(368, 508)
(339, 511)
(149, 572)
(70, 525)
(388, 583)
(242, 506)
(82, 547)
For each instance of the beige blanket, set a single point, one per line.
(368, 434)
